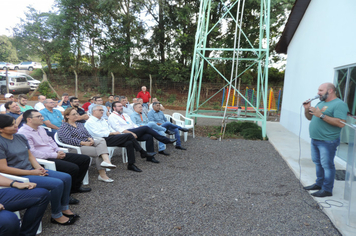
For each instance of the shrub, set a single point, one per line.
(45, 90)
(252, 133)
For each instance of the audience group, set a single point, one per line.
(29, 133)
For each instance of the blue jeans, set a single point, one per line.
(159, 129)
(34, 200)
(175, 128)
(59, 184)
(323, 154)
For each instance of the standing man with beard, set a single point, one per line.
(82, 117)
(324, 131)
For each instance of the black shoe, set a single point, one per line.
(322, 193)
(169, 132)
(184, 129)
(152, 159)
(133, 168)
(164, 153)
(312, 187)
(180, 147)
(82, 190)
(171, 141)
(69, 222)
(73, 201)
(145, 154)
(75, 216)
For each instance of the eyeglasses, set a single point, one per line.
(99, 110)
(39, 117)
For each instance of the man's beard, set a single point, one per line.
(324, 97)
(22, 104)
(120, 112)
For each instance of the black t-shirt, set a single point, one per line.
(81, 112)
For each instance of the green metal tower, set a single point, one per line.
(260, 59)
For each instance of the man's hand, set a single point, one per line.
(115, 133)
(2, 207)
(133, 134)
(61, 155)
(40, 171)
(159, 123)
(306, 104)
(24, 185)
(315, 111)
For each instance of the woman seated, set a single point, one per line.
(17, 159)
(74, 133)
(18, 197)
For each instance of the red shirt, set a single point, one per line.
(86, 106)
(145, 96)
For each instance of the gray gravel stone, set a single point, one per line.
(232, 187)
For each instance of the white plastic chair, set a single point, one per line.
(47, 164)
(185, 123)
(24, 180)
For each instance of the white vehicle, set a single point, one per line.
(17, 84)
(33, 82)
(28, 65)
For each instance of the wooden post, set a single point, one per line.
(76, 83)
(7, 81)
(151, 85)
(112, 84)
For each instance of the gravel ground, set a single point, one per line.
(233, 187)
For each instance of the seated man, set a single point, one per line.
(144, 108)
(121, 122)
(52, 117)
(65, 101)
(99, 128)
(87, 104)
(22, 99)
(140, 119)
(82, 115)
(14, 111)
(42, 146)
(57, 107)
(157, 116)
(20, 196)
(134, 100)
(127, 108)
(99, 101)
(156, 100)
(109, 102)
(9, 98)
(39, 106)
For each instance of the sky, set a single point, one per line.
(13, 10)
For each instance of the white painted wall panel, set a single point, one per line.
(325, 39)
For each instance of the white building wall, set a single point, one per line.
(325, 39)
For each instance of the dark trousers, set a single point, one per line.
(34, 200)
(125, 140)
(145, 133)
(74, 164)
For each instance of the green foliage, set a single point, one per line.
(7, 50)
(45, 90)
(37, 74)
(171, 98)
(248, 130)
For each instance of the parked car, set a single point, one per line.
(4, 65)
(28, 65)
(33, 82)
(54, 66)
(17, 84)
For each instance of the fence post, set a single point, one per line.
(76, 83)
(150, 85)
(112, 84)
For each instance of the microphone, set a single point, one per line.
(311, 99)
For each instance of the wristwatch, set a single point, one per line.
(322, 116)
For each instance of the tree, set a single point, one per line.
(7, 50)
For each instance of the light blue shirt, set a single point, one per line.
(55, 117)
(136, 118)
(157, 117)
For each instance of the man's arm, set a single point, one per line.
(83, 117)
(19, 119)
(328, 119)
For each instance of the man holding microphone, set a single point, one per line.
(324, 131)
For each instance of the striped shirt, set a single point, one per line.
(71, 135)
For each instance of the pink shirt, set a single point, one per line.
(41, 145)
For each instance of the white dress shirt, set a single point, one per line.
(39, 106)
(118, 123)
(98, 128)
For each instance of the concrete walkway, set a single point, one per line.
(287, 144)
